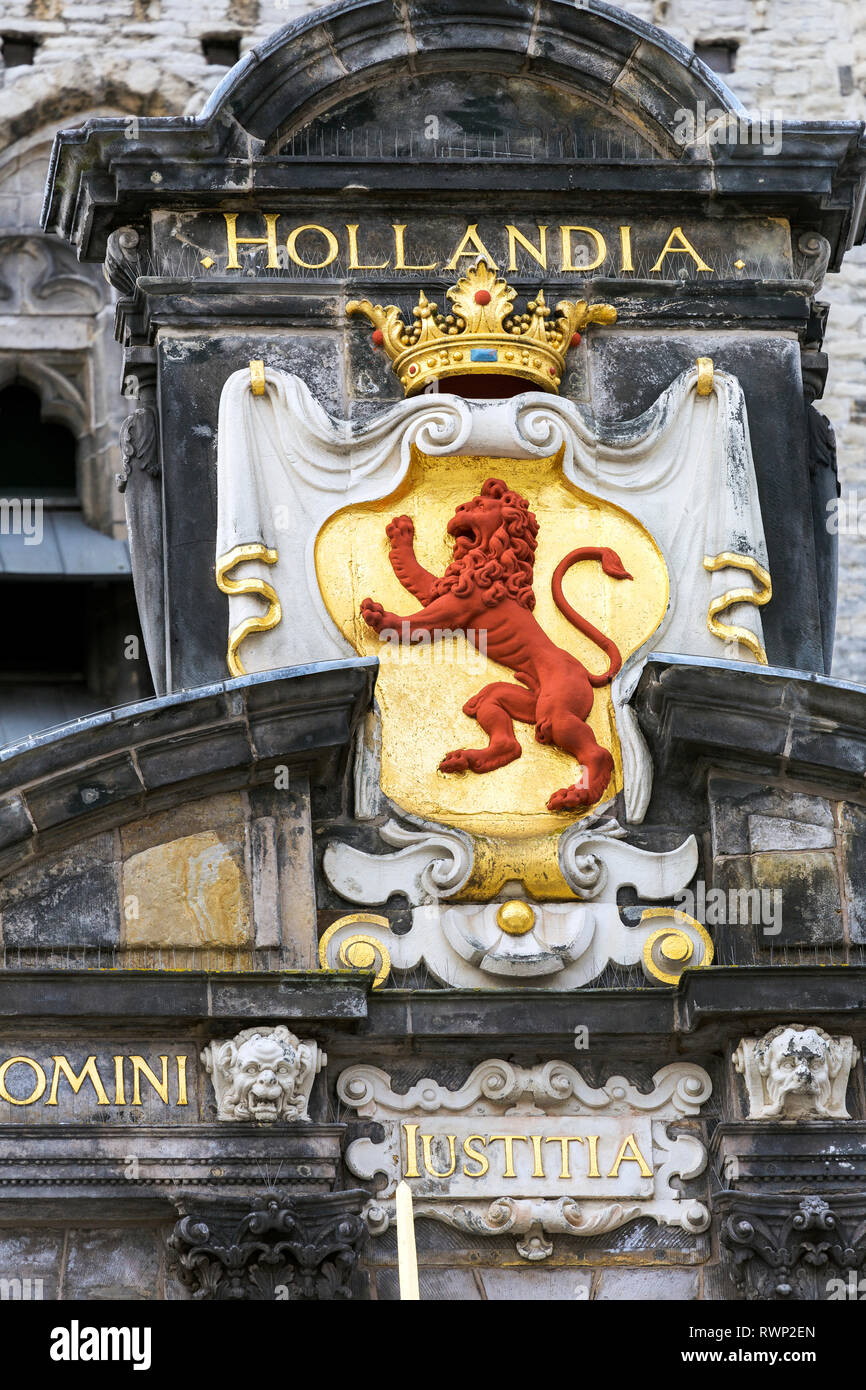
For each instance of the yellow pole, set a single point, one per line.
(407, 1260)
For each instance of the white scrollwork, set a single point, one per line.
(681, 1087)
(532, 1099)
(464, 945)
(596, 862)
(428, 866)
(561, 945)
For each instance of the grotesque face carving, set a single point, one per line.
(798, 1066)
(263, 1075)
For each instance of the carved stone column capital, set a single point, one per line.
(793, 1247)
(298, 1249)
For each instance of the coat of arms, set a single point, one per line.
(509, 562)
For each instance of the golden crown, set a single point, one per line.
(483, 334)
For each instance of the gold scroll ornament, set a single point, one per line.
(667, 951)
(251, 584)
(360, 951)
(727, 559)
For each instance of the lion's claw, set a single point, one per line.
(374, 614)
(457, 761)
(401, 530)
(571, 799)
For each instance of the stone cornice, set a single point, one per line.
(100, 178)
(99, 772)
(709, 1008)
(780, 723)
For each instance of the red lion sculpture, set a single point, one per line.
(487, 589)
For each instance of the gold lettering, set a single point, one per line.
(592, 1141)
(233, 241)
(119, 1084)
(400, 253)
(480, 1159)
(538, 1166)
(634, 1157)
(352, 229)
(333, 247)
(181, 1081)
(600, 248)
(411, 1169)
(88, 1073)
(139, 1067)
(426, 1141)
(514, 236)
(37, 1089)
(478, 248)
(685, 248)
(563, 1140)
(625, 243)
(509, 1140)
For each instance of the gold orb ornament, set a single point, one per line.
(360, 954)
(515, 917)
(676, 947)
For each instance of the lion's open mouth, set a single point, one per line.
(466, 536)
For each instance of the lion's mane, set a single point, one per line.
(502, 569)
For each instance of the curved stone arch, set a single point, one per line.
(62, 402)
(52, 98)
(70, 378)
(609, 57)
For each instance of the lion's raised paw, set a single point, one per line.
(373, 614)
(400, 530)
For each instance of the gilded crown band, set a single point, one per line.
(483, 334)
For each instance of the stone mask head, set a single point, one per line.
(265, 1071)
(798, 1065)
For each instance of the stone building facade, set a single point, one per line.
(324, 967)
(788, 59)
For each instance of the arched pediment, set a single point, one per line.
(378, 66)
(436, 96)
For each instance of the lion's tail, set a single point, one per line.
(612, 565)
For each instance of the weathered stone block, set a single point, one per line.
(33, 1258)
(58, 800)
(808, 883)
(222, 813)
(71, 899)
(522, 1285)
(15, 823)
(190, 892)
(109, 1265)
(649, 1285)
(853, 825)
(747, 818)
(435, 1285)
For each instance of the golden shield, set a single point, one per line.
(423, 685)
